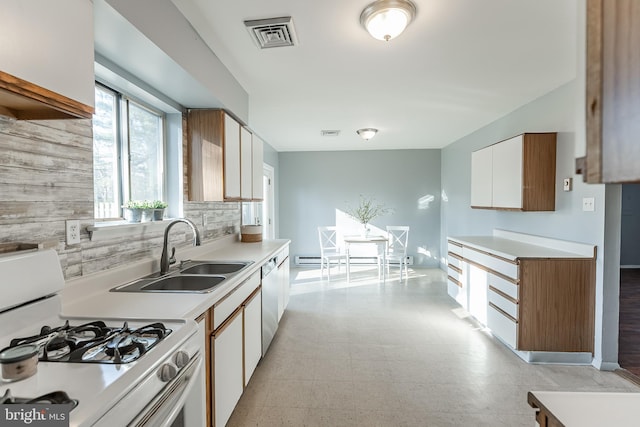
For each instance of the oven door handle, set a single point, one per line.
(164, 408)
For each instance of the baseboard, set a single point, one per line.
(629, 266)
(604, 366)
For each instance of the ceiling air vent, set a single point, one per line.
(329, 132)
(274, 32)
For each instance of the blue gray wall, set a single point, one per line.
(316, 187)
(553, 112)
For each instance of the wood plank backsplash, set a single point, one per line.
(46, 178)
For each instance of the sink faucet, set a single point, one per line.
(165, 260)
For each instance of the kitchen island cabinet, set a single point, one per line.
(535, 294)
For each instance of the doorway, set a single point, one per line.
(629, 320)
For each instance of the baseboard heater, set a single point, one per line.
(315, 260)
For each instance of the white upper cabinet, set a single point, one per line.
(47, 59)
(481, 177)
(246, 177)
(507, 173)
(231, 149)
(516, 174)
(257, 168)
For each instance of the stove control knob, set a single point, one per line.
(167, 372)
(181, 359)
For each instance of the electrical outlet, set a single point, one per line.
(588, 204)
(73, 232)
(567, 184)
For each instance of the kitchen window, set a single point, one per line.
(128, 152)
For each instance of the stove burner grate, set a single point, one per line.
(94, 342)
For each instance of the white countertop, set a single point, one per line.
(592, 409)
(511, 245)
(89, 296)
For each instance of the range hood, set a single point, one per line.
(22, 100)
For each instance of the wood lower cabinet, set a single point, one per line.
(613, 104)
(533, 299)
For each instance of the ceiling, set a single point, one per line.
(459, 66)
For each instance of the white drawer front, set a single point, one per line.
(457, 293)
(502, 327)
(493, 263)
(507, 306)
(453, 273)
(228, 305)
(453, 248)
(503, 285)
(451, 260)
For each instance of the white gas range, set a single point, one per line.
(113, 372)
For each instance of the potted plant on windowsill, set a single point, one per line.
(133, 210)
(158, 209)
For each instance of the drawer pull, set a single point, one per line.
(501, 311)
(503, 295)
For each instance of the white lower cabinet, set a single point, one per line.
(502, 326)
(252, 334)
(227, 343)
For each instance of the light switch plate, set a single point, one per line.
(567, 184)
(588, 204)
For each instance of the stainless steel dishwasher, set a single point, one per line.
(270, 285)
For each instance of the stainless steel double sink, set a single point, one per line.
(192, 277)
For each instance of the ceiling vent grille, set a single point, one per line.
(329, 132)
(273, 32)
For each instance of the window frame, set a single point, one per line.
(122, 136)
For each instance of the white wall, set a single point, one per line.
(554, 112)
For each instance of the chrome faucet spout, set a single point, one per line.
(165, 260)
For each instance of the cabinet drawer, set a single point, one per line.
(497, 264)
(226, 306)
(503, 285)
(454, 260)
(505, 304)
(502, 327)
(454, 248)
(454, 273)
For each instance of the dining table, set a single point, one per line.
(380, 241)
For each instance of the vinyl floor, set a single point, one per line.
(370, 354)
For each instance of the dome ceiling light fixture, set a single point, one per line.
(387, 19)
(367, 133)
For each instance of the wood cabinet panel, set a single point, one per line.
(613, 79)
(205, 133)
(557, 305)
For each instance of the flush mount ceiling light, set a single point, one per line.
(387, 19)
(367, 133)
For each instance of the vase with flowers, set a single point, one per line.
(366, 211)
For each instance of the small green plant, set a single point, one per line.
(367, 210)
(158, 204)
(135, 204)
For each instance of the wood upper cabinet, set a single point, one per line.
(613, 104)
(516, 174)
(225, 159)
(47, 59)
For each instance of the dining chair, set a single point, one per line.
(329, 249)
(396, 248)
